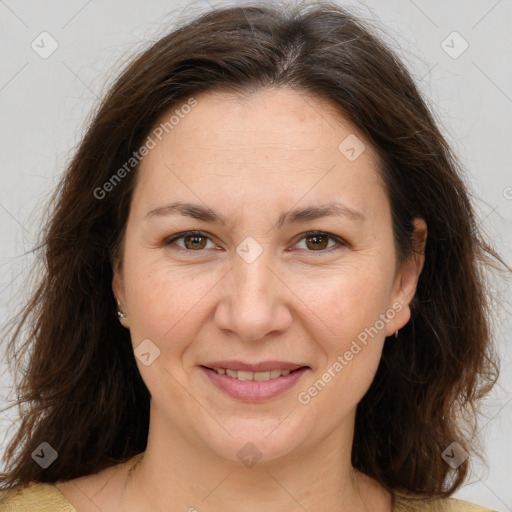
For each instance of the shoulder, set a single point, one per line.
(40, 497)
(404, 503)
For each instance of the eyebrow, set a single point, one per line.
(196, 211)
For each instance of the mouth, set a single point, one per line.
(248, 375)
(253, 383)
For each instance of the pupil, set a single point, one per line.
(194, 241)
(316, 242)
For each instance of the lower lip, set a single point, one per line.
(253, 390)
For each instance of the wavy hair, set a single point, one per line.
(82, 392)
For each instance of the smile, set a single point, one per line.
(246, 375)
(250, 386)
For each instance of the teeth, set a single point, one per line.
(259, 376)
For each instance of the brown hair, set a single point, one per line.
(82, 392)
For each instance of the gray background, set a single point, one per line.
(45, 103)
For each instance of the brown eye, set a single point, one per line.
(317, 241)
(195, 242)
(191, 241)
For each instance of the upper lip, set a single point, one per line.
(263, 366)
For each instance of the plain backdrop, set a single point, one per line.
(458, 51)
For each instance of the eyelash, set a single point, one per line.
(340, 241)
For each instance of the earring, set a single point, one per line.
(396, 333)
(120, 314)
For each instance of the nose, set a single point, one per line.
(254, 301)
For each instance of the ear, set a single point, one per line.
(406, 280)
(119, 293)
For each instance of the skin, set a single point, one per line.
(250, 158)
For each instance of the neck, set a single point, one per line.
(176, 470)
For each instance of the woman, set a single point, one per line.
(263, 286)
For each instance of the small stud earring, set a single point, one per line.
(120, 314)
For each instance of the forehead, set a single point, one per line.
(272, 118)
(278, 141)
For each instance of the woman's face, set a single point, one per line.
(253, 291)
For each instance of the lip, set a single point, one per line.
(251, 390)
(263, 366)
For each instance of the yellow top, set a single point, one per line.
(48, 498)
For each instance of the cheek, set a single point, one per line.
(166, 307)
(351, 307)
(165, 300)
(350, 302)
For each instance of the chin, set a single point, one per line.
(257, 441)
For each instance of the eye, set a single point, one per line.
(318, 241)
(197, 241)
(194, 241)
